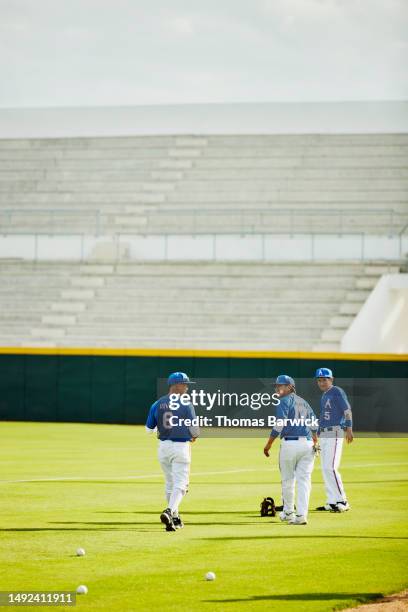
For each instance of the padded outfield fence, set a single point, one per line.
(118, 386)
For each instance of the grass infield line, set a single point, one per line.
(159, 474)
(138, 477)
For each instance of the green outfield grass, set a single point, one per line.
(111, 507)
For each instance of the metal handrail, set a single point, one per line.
(246, 215)
(249, 214)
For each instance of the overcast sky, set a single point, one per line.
(128, 52)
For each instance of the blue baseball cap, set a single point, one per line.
(284, 379)
(179, 378)
(323, 373)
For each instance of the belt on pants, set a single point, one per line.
(334, 428)
(296, 438)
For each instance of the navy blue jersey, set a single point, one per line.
(170, 421)
(335, 409)
(294, 418)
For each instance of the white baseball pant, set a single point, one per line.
(175, 460)
(331, 445)
(296, 460)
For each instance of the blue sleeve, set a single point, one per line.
(281, 413)
(342, 400)
(345, 407)
(194, 429)
(311, 415)
(151, 422)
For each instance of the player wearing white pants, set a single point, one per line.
(335, 424)
(175, 460)
(169, 415)
(296, 426)
(296, 460)
(331, 446)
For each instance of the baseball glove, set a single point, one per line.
(268, 507)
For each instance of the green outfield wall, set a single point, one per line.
(104, 386)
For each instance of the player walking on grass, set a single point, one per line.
(335, 422)
(296, 426)
(167, 416)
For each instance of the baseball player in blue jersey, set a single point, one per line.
(172, 418)
(335, 423)
(296, 425)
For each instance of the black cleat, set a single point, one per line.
(334, 508)
(177, 522)
(325, 508)
(167, 519)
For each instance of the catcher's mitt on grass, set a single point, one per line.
(268, 507)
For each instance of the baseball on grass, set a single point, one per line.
(80, 552)
(82, 589)
(210, 576)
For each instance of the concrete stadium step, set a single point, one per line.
(85, 294)
(48, 332)
(270, 174)
(258, 140)
(366, 283)
(310, 139)
(327, 347)
(17, 306)
(378, 270)
(288, 195)
(194, 319)
(219, 331)
(303, 162)
(20, 292)
(241, 307)
(352, 308)
(93, 176)
(15, 329)
(305, 208)
(58, 320)
(284, 296)
(245, 269)
(65, 307)
(20, 317)
(26, 342)
(341, 321)
(100, 153)
(332, 335)
(215, 282)
(99, 165)
(102, 142)
(357, 296)
(87, 281)
(299, 151)
(60, 199)
(241, 270)
(295, 184)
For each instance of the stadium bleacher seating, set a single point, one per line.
(198, 184)
(188, 185)
(246, 306)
